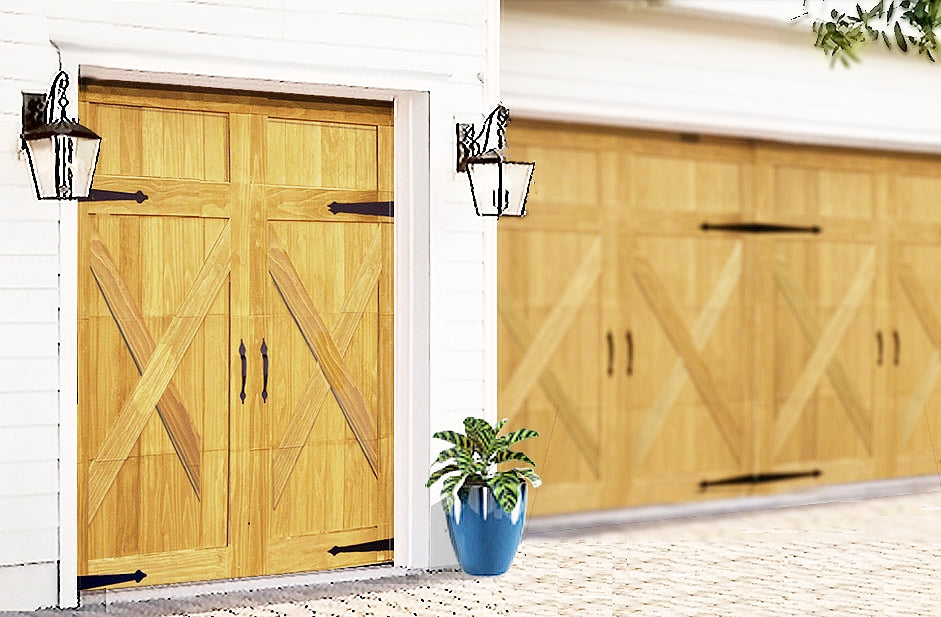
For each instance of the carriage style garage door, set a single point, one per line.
(235, 336)
(657, 344)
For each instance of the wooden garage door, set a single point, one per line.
(234, 261)
(667, 353)
(552, 354)
(817, 296)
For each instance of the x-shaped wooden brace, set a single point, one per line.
(541, 346)
(705, 322)
(922, 305)
(847, 393)
(822, 359)
(157, 364)
(671, 322)
(330, 353)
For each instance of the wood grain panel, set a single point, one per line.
(674, 328)
(823, 352)
(159, 371)
(130, 322)
(324, 349)
(550, 332)
(849, 395)
(705, 323)
(311, 402)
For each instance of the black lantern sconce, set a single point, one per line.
(62, 153)
(498, 187)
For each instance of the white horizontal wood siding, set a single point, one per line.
(686, 66)
(439, 48)
(29, 334)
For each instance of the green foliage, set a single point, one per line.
(900, 24)
(474, 457)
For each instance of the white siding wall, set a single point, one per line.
(690, 65)
(434, 47)
(29, 333)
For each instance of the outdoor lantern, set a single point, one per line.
(498, 187)
(62, 153)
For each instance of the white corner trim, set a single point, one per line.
(68, 386)
(412, 328)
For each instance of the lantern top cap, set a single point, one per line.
(62, 126)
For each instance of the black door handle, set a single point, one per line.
(610, 339)
(879, 348)
(898, 347)
(630, 353)
(264, 370)
(244, 368)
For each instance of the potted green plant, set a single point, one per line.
(484, 505)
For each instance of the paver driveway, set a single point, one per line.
(879, 557)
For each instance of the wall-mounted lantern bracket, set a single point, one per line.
(471, 146)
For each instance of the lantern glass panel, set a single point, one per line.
(500, 188)
(83, 165)
(484, 178)
(516, 180)
(42, 163)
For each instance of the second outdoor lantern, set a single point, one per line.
(498, 187)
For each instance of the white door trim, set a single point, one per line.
(412, 296)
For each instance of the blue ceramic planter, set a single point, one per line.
(485, 537)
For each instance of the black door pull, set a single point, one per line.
(264, 370)
(630, 353)
(898, 347)
(244, 368)
(879, 348)
(610, 339)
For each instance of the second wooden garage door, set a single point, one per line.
(235, 412)
(662, 354)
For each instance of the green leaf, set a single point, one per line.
(517, 436)
(448, 488)
(465, 461)
(885, 38)
(900, 38)
(481, 431)
(446, 455)
(440, 472)
(506, 490)
(454, 437)
(530, 475)
(506, 455)
(890, 11)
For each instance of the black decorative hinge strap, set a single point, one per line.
(759, 478)
(103, 580)
(100, 195)
(761, 228)
(365, 547)
(373, 208)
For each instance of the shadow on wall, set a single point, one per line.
(441, 553)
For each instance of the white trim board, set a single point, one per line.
(574, 524)
(412, 314)
(709, 74)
